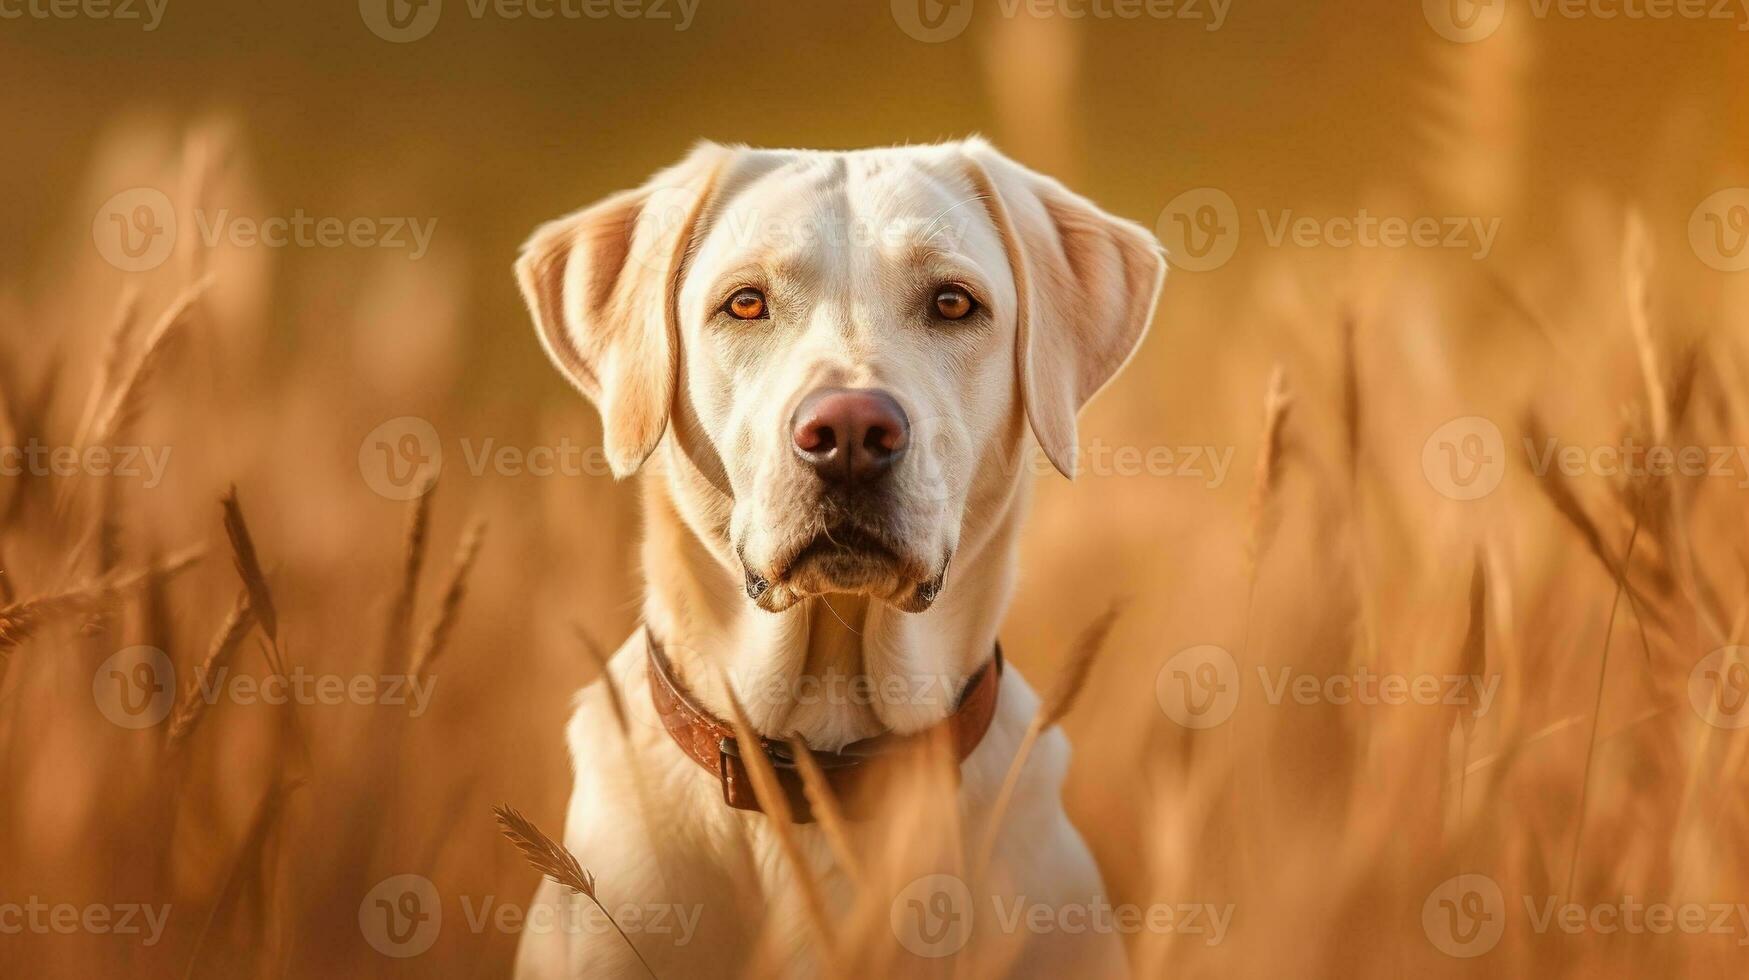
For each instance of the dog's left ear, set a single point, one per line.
(1086, 284)
(600, 285)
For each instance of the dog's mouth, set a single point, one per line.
(846, 559)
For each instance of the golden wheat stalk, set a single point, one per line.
(417, 537)
(248, 865)
(1067, 688)
(437, 635)
(126, 403)
(114, 349)
(224, 646)
(19, 621)
(248, 563)
(556, 862)
(780, 818)
(824, 804)
(1276, 403)
(1636, 261)
(1596, 717)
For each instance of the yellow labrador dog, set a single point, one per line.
(826, 364)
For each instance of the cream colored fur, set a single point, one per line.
(846, 247)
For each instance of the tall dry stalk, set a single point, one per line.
(780, 820)
(554, 861)
(823, 803)
(1070, 681)
(416, 539)
(437, 634)
(248, 564)
(192, 708)
(20, 620)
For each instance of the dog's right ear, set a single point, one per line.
(600, 285)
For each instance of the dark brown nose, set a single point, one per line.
(850, 435)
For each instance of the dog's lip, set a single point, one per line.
(847, 539)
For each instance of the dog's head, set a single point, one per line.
(842, 349)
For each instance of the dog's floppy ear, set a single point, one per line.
(1086, 284)
(600, 284)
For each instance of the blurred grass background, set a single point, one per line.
(1558, 127)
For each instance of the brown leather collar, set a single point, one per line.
(710, 741)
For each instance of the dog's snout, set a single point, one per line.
(850, 435)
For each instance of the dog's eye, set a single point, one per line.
(746, 304)
(954, 303)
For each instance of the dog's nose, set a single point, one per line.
(850, 435)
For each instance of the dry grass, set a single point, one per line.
(1589, 601)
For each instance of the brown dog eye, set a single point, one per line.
(953, 303)
(746, 304)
